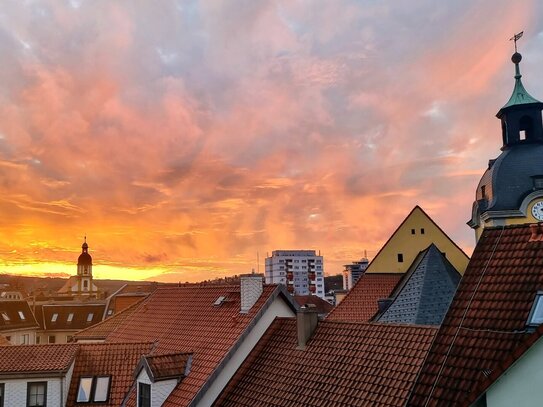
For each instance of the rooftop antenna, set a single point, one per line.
(257, 263)
(515, 38)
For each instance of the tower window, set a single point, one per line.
(525, 128)
(400, 257)
(483, 191)
(538, 182)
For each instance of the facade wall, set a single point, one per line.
(520, 385)
(159, 390)
(278, 308)
(409, 244)
(16, 389)
(292, 268)
(60, 336)
(19, 337)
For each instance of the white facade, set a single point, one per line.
(15, 390)
(25, 336)
(302, 271)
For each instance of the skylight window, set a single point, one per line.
(54, 317)
(90, 316)
(70, 317)
(219, 300)
(536, 314)
(93, 389)
(21, 315)
(5, 316)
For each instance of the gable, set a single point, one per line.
(415, 233)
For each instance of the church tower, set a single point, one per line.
(511, 189)
(84, 269)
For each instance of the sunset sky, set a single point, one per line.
(183, 137)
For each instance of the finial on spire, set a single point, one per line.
(515, 38)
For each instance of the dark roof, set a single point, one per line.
(168, 366)
(118, 360)
(16, 315)
(343, 364)
(185, 319)
(360, 304)
(36, 358)
(487, 318)
(322, 307)
(425, 292)
(508, 180)
(84, 259)
(80, 314)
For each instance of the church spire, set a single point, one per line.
(521, 115)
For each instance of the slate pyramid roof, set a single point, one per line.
(425, 292)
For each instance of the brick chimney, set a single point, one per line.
(306, 321)
(251, 290)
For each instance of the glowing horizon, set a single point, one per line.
(183, 138)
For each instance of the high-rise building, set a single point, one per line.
(511, 189)
(302, 271)
(353, 271)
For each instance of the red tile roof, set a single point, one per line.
(169, 365)
(184, 319)
(102, 329)
(118, 360)
(36, 358)
(360, 304)
(322, 306)
(487, 318)
(343, 364)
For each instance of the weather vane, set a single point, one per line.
(515, 38)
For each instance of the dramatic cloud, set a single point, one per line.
(184, 137)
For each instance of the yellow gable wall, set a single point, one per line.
(409, 245)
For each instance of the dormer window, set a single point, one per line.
(70, 317)
(54, 317)
(144, 395)
(90, 316)
(536, 314)
(5, 316)
(21, 315)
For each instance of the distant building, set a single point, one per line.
(81, 284)
(17, 322)
(353, 271)
(59, 322)
(302, 271)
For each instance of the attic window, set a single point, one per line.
(54, 317)
(5, 316)
(422, 231)
(536, 314)
(70, 317)
(21, 315)
(400, 257)
(90, 316)
(219, 301)
(412, 231)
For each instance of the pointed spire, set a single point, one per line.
(85, 246)
(520, 95)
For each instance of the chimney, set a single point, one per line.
(383, 304)
(306, 320)
(251, 290)
(537, 235)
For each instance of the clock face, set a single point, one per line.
(537, 210)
